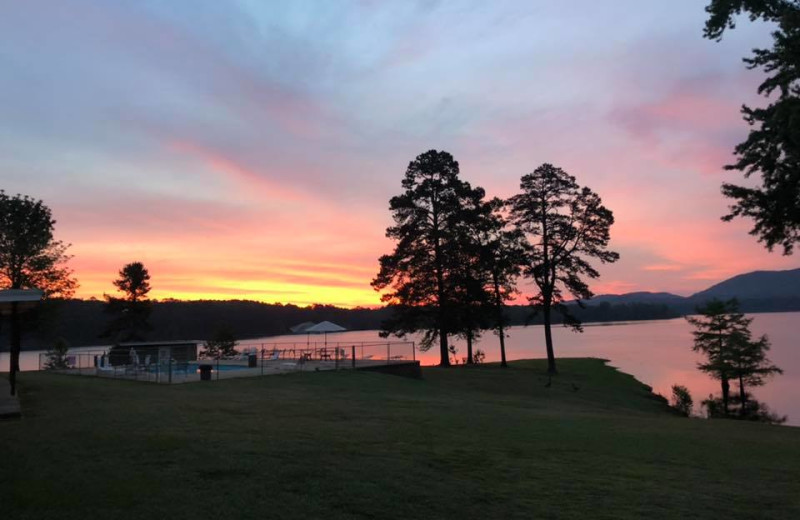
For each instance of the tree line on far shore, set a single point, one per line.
(82, 322)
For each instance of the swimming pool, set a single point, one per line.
(194, 367)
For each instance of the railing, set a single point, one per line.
(177, 365)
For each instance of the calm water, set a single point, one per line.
(656, 352)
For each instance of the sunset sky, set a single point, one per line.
(246, 150)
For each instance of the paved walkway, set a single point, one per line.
(9, 405)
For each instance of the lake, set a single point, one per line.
(657, 353)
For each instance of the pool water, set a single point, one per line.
(194, 367)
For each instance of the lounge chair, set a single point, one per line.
(294, 365)
(103, 366)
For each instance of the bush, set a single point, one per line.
(753, 410)
(453, 353)
(57, 355)
(682, 400)
(479, 356)
(221, 345)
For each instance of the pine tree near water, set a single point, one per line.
(418, 280)
(722, 334)
(565, 226)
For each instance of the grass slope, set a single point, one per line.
(462, 443)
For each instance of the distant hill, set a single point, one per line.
(638, 297)
(758, 285)
(759, 291)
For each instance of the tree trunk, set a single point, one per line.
(502, 333)
(742, 396)
(548, 339)
(16, 340)
(470, 360)
(726, 390)
(443, 350)
(500, 329)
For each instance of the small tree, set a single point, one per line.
(715, 324)
(30, 258)
(723, 335)
(565, 225)
(57, 355)
(749, 364)
(682, 400)
(131, 312)
(222, 343)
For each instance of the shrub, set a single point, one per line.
(57, 355)
(682, 400)
(222, 344)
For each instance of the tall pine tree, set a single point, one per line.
(419, 279)
(565, 225)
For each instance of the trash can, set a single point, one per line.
(252, 361)
(205, 372)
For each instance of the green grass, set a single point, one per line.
(462, 443)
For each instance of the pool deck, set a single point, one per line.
(270, 367)
(9, 404)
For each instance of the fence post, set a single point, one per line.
(388, 352)
(170, 368)
(217, 368)
(413, 351)
(353, 355)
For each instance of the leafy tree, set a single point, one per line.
(772, 148)
(716, 322)
(565, 225)
(30, 258)
(222, 343)
(129, 313)
(419, 277)
(682, 400)
(57, 355)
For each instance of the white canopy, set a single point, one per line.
(24, 298)
(324, 326)
(301, 328)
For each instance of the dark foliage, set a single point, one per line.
(723, 335)
(772, 148)
(421, 277)
(81, 322)
(30, 258)
(56, 356)
(502, 254)
(222, 343)
(131, 312)
(565, 225)
(682, 400)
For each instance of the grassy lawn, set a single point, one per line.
(462, 443)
